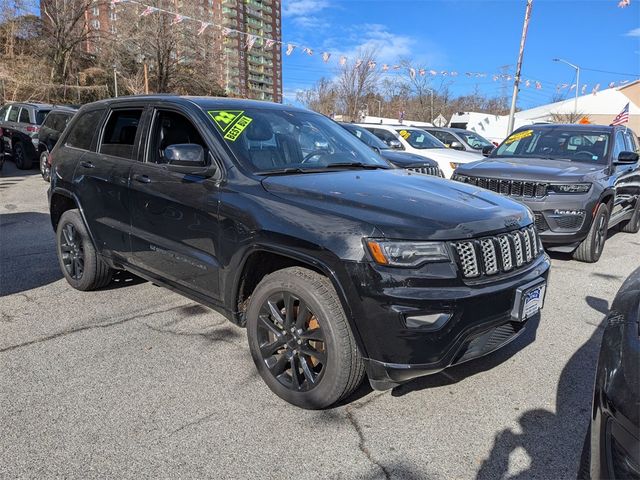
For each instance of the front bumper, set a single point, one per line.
(480, 317)
(562, 219)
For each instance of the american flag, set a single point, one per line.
(623, 116)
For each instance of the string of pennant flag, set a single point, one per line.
(252, 41)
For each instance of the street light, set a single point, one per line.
(575, 105)
(379, 106)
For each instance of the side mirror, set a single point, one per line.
(456, 145)
(626, 158)
(486, 151)
(395, 144)
(184, 155)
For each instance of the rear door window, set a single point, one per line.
(84, 129)
(120, 133)
(24, 116)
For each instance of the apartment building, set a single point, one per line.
(248, 73)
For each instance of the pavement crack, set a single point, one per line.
(362, 441)
(82, 329)
(192, 424)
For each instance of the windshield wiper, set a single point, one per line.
(371, 166)
(289, 170)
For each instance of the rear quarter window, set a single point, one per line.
(13, 114)
(84, 129)
(41, 115)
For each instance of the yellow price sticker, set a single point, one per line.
(404, 134)
(235, 131)
(518, 136)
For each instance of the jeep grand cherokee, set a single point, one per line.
(579, 180)
(287, 224)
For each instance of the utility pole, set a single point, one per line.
(115, 82)
(146, 79)
(516, 83)
(431, 92)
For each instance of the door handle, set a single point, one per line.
(86, 164)
(142, 178)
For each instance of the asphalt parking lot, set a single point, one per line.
(134, 381)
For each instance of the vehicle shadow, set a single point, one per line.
(458, 373)
(9, 170)
(553, 440)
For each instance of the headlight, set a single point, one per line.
(454, 165)
(570, 188)
(407, 254)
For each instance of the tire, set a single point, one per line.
(322, 328)
(633, 224)
(79, 262)
(591, 248)
(20, 157)
(44, 168)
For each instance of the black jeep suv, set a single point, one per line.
(287, 224)
(19, 126)
(579, 180)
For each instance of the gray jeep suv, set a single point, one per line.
(579, 180)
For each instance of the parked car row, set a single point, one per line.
(28, 132)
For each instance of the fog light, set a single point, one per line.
(432, 321)
(569, 212)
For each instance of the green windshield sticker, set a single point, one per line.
(237, 128)
(224, 119)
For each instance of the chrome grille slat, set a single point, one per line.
(499, 254)
(435, 171)
(505, 250)
(489, 257)
(516, 188)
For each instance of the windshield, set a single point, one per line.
(420, 139)
(474, 140)
(367, 137)
(556, 143)
(269, 140)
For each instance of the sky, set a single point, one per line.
(468, 36)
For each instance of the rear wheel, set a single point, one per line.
(633, 224)
(591, 248)
(300, 340)
(79, 262)
(45, 170)
(20, 157)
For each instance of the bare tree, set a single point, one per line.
(322, 97)
(357, 78)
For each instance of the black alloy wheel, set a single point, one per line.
(19, 156)
(291, 341)
(592, 247)
(600, 234)
(72, 251)
(45, 170)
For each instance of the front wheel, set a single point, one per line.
(300, 339)
(591, 248)
(79, 261)
(45, 170)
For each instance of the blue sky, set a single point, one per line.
(468, 35)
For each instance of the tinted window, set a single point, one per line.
(3, 112)
(120, 133)
(619, 145)
(24, 116)
(444, 137)
(383, 135)
(41, 115)
(50, 121)
(83, 130)
(13, 114)
(170, 128)
(631, 144)
(367, 137)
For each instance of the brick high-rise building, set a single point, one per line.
(254, 73)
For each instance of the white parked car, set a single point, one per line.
(415, 140)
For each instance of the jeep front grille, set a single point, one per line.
(515, 188)
(499, 254)
(435, 171)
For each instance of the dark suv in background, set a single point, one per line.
(54, 124)
(287, 224)
(19, 126)
(579, 180)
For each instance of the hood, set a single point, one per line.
(402, 205)
(450, 155)
(404, 159)
(535, 169)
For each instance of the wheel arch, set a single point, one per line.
(266, 259)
